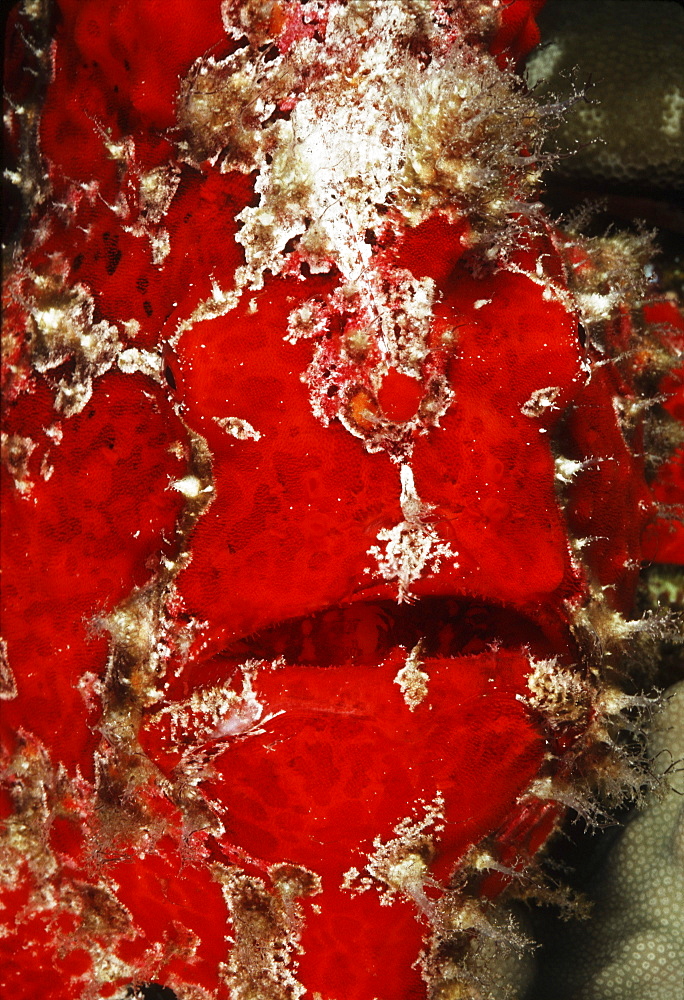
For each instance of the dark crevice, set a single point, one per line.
(150, 991)
(366, 633)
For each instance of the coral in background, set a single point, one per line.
(633, 944)
(630, 134)
(329, 467)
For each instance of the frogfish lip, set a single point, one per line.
(323, 733)
(367, 631)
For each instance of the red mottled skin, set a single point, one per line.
(279, 563)
(664, 538)
(77, 543)
(518, 32)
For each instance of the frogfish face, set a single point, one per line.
(326, 497)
